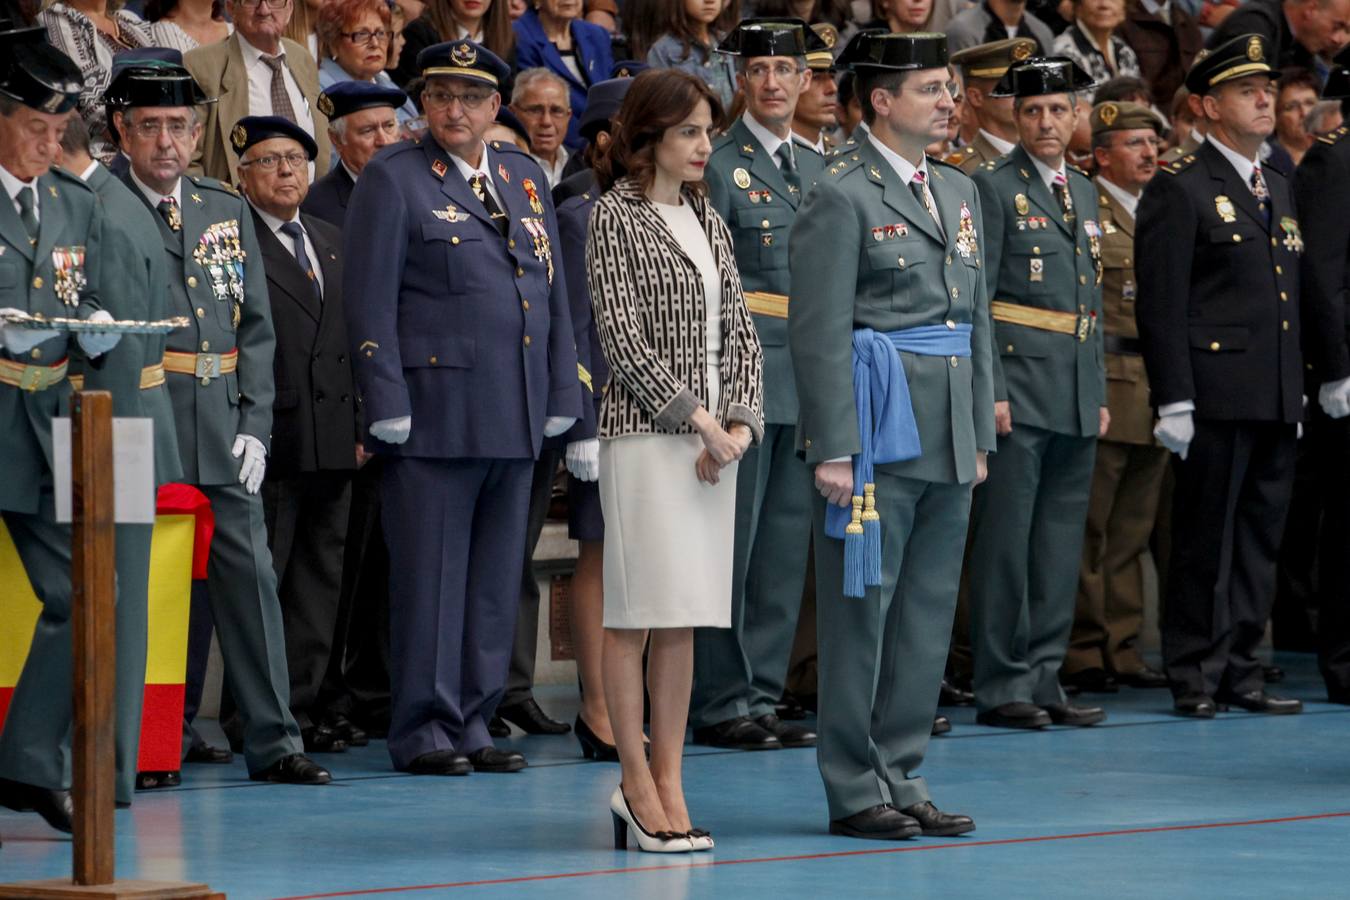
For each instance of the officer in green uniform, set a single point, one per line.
(51, 227)
(1043, 247)
(888, 294)
(219, 373)
(757, 179)
(983, 67)
(1127, 479)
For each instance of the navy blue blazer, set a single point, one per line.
(574, 217)
(464, 330)
(328, 197)
(594, 58)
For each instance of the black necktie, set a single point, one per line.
(297, 236)
(788, 168)
(169, 212)
(26, 214)
(479, 185)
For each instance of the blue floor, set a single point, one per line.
(1144, 806)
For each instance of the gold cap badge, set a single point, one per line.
(238, 137)
(464, 55)
(1022, 51)
(1109, 111)
(326, 105)
(1254, 49)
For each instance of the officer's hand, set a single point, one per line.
(255, 461)
(707, 468)
(834, 480)
(556, 425)
(981, 466)
(1175, 432)
(362, 457)
(1103, 421)
(392, 431)
(1002, 417)
(1334, 398)
(583, 459)
(96, 343)
(21, 340)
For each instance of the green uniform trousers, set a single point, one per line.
(133, 624)
(881, 656)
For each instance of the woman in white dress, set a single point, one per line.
(682, 407)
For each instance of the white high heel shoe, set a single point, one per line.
(699, 839)
(625, 821)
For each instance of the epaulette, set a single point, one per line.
(213, 184)
(507, 147)
(1179, 165)
(69, 179)
(843, 163)
(1079, 170)
(1336, 135)
(945, 163)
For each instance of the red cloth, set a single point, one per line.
(186, 500)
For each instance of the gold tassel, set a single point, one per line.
(855, 526)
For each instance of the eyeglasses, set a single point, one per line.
(366, 36)
(177, 128)
(441, 99)
(539, 111)
(272, 160)
(934, 90)
(780, 71)
(271, 4)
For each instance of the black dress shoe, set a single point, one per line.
(294, 769)
(951, 695)
(1143, 677)
(591, 745)
(1014, 715)
(741, 733)
(1075, 716)
(1261, 702)
(498, 728)
(201, 752)
(490, 759)
(788, 735)
(790, 708)
(529, 718)
(1272, 674)
(1090, 681)
(936, 823)
(347, 730)
(149, 781)
(941, 725)
(440, 762)
(54, 806)
(882, 822)
(322, 739)
(1195, 706)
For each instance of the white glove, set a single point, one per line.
(1175, 432)
(1334, 398)
(98, 343)
(392, 431)
(556, 425)
(583, 459)
(253, 467)
(21, 340)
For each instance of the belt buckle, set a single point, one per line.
(208, 367)
(33, 379)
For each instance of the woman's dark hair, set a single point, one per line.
(672, 18)
(157, 9)
(497, 34)
(658, 99)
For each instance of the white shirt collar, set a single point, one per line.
(13, 185)
(1155, 7)
(818, 146)
(1243, 165)
(1048, 174)
(903, 167)
(553, 172)
(350, 174)
(89, 172)
(252, 55)
(463, 32)
(272, 222)
(469, 171)
(998, 143)
(155, 196)
(1122, 196)
(767, 139)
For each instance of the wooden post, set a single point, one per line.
(93, 628)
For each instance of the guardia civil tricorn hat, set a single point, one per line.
(35, 73)
(1041, 75)
(880, 51)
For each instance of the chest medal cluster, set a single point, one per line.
(222, 258)
(68, 274)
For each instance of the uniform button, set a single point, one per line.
(1237, 238)
(1082, 279)
(1285, 324)
(206, 380)
(1273, 242)
(1279, 270)
(206, 345)
(432, 360)
(192, 281)
(1035, 249)
(520, 273)
(454, 241)
(1214, 345)
(901, 261)
(344, 398)
(342, 358)
(956, 292)
(200, 312)
(527, 340)
(951, 326)
(806, 442)
(953, 362)
(37, 283)
(949, 260)
(36, 354)
(511, 243)
(764, 223)
(1009, 349)
(1127, 260)
(1078, 251)
(1284, 295)
(525, 304)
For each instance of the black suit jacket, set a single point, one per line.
(314, 418)
(1267, 18)
(1218, 305)
(327, 198)
(1322, 189)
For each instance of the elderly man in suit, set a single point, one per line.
(255, 72)
(315, 433)
(362, 118)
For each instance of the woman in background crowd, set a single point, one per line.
(486, 22)
(186, 24)
(695, 27)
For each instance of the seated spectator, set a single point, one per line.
(1092, 42)
(485, 22)
(901, 16)
(555, 37)
(998, 20)
(540, 100)
(186, 24)
(1123, 87)
(1295, 96)
(354, 39)
(398, 20)
(813, 12)
(696, 27)
(1165, 38)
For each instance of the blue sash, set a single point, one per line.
(887, 433)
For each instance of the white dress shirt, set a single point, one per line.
(1244, 166)
(554, 173)
(260, 87)
(906, 170)
(1003, 147)
(12, 187)
(1123, 197)
(1048, 175)
(155, 196)
(770, 141)
(273, 223)
(484, 169)
(818, 146)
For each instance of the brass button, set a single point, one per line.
(1284, 295)
(1285, 324)
(956, 292)
(525, 304)
(455, 240)
(432, 360)
(1078, 251)
(901, 261)
(206, 380)
(192, 281)
(951, 326)
(520, 273)
(369, 354)
(1279, 270)
(764, 223)
(1237, 238)
(527, 340)
(200, 312)
(511, 243)
(977, 264)
(1127, 260)
(1214, 345)
(1035, 249)
(36, 354)
(953, 362)
(1082, 279)
(806, 442)
(37, 283)
(206, 345)
(1273, 242)
(949, 260)
(1009, 349)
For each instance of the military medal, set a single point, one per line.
(1037, 273)
(1224, 207)
(1021, 204)
(1127, 291)
(52, 190)
(766, 239)
(742, 178)
(1293, 238)
(68, 274)
(535, 206)
(878, 233)
(175, 218)
(965, 234)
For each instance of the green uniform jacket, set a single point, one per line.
(848, 272)
(69, 216)
(215, 249)
(136, 287)
(1054, 381)
(747, 189)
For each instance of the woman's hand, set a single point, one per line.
(707, 468)
(721, 446)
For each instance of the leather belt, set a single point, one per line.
(761, 303)
(151, 377)
(1080, 325)
(32, 378)
(1123, 345)
(201, 365)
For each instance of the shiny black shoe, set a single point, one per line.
(293, 769)
(490, 759)
(941, 725)
(741, 733)
(498, 728)
(1272, 674)
(936, 823)
(951, 695)
(1090, 681)
(149, 781)
(54, 806)
(529, 718)
(1075, 716)
(789, 708)
(882, 822)
(591, 745)
(1261, 702)
(202, 752)
(348, 730)
(1145, 677)
(440, 762)
(322, 739)
(1195, 706)
(1014, 715)
(788, 735)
